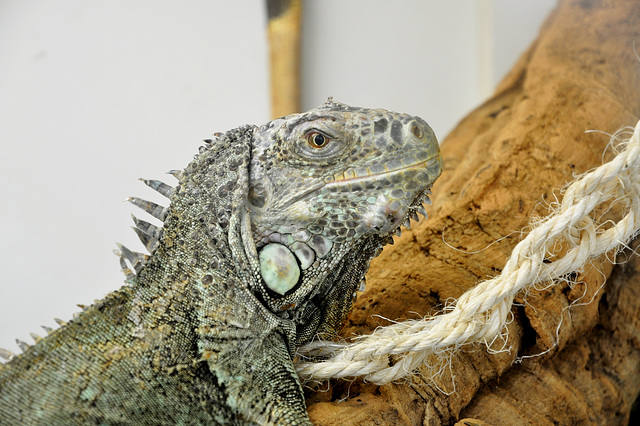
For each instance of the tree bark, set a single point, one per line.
(503, 163)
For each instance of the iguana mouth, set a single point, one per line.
(365, 174)
(351, 176)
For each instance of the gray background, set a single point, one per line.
(95, 94)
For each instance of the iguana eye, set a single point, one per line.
(317, 140)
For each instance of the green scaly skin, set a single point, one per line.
(205, 332)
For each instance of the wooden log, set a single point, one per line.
(503, 162)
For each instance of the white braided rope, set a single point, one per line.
(480, 314)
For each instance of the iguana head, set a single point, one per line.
(294, 210)
(326, 189)
(269, 233)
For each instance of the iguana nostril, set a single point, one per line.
(417, 131)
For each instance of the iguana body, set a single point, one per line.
(265, 242)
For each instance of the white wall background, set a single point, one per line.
(94, 94)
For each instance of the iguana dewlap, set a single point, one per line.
(266, 240)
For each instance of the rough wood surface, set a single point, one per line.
(503, 162)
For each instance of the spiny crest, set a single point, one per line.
(150, 235)
(24, 346)
(132, 262)
(6, 355)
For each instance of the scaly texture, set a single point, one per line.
(267, 238)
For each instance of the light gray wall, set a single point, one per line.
(95, 94)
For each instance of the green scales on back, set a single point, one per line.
(266, 240)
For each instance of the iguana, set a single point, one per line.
(266, 240)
